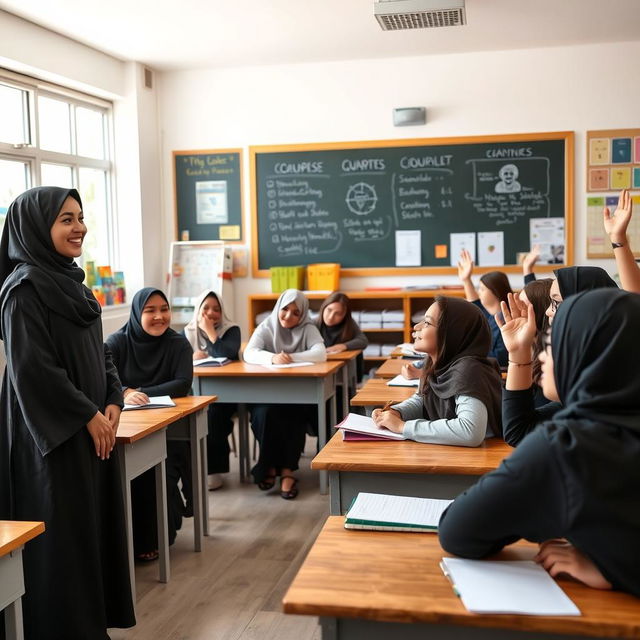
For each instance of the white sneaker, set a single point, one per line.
(214, 482)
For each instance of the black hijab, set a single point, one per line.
(27, 254)
(572, 280)
(462, 366)
(145, 360)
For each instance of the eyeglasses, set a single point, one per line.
(555, 304)
(426, 322)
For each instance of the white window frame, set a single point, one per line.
(35, 156)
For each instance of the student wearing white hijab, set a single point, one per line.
(287, 335)
(211, 333)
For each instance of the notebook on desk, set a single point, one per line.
(211, 362)
(155, 402)
(363, 425)
(401, 381)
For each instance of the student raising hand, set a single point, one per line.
(561, 557)
(465, 265)
(530, 260)
(518, 329)
(616, 227)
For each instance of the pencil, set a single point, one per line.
(387, 406)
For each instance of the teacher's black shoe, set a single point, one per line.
(293, 491)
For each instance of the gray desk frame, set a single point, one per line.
(344, 486)
(11, 592)
(270, 389)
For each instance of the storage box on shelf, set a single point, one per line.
(384, 316)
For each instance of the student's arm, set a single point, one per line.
(467, 429)
(53, 408)
(317, 353)
(519, 415)
(183, 377)
(529, 262)
(359, 340)
(226, 347)
(254, 352)
(524, 498)
(465, 270)
(616, 227)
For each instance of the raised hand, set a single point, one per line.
(561, 557)
(518, 328)
(616, 226)
(530, 259)
(465, 265)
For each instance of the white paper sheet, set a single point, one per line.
(548, 233)
(490, 249)
(401, 381)
(210, 361)
(460, 241)
(155, 402)
(211, 202)
(408, 248)
(290, 365)
(363, 424)
(520, 586)
(379, 507)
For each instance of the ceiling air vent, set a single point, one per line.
(393, 15)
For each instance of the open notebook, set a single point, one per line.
(155, 402)
(211, 362)
(365, 429)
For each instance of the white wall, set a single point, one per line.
(569, 88)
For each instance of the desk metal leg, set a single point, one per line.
(161, 509)
(202, 447)
(322, 426)
(345, 392)
(126, 489)
(196, 482)
(13, 620)
(243, 445)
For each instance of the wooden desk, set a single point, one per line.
(242, 383)
(142, 445)
(376, 392)
(404, 468)
(349, 374)
(13, 536)
(392, 367)
(375, 585)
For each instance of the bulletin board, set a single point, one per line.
(393, 207)
(613, 160)
(208, 195)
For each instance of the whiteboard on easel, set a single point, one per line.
(194, 267)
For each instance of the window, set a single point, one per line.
(53, 136)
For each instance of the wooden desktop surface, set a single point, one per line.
(339, 579)
(407, 456)
(344, 356)
(243, 369)
(13, 534)
(376, 392)
(136, 424)
(392, 367)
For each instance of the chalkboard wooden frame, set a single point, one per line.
(566, 136)
(209, 161)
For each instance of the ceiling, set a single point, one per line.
(184, 34)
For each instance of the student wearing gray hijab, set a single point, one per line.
(286, 336)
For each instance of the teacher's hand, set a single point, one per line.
(104, 437)
(136, 397)
(112, 414)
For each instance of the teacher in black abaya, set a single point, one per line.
(59, 411)
(153, 360)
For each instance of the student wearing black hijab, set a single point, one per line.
(518, 327)
(575, 477)
(459, 398)
(153, 360)
(59, 412)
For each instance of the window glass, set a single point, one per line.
(90, 133)
(93, 191)
(14, 121)
(14, 179)
(54, 124)
(56, 175)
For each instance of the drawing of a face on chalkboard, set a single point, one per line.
(508, 179)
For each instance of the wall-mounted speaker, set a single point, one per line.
(409, 116)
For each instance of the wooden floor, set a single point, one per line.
(233, 589)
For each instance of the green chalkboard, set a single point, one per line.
(345, 202)
(208, 190)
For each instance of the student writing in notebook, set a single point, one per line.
(572, 483)
(153, 360)
(59, 413)
(211, 333)
(520, 415)
(492, 290)
(459, 398)
(287, 335)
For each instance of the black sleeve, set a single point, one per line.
(180, 385)
(53, 408)
(524, 498)
(114, 386)
(359, 340)
(226, 347)
(519, 415)
(530, 277)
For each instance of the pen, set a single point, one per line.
(447, 575)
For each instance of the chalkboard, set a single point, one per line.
(208, 191)
(344, 202)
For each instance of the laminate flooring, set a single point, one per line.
(233, 589)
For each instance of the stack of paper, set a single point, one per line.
(387, 349)
(370, 320)
(401, 381)
(393, 319)
(155, 402)
(380, 512)
(372, 350)
(519, 586)
(363, 425)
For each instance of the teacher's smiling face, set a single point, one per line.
(156, 315)
(68, 230)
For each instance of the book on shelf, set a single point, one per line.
(211, 362)
(381, 512)
(355, 423)
(155, 402)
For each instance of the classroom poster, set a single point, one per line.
(548, 234)
(491, 249)
(460, 241)
(613, 159)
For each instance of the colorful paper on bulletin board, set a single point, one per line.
(613, 159)
(208, 195)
